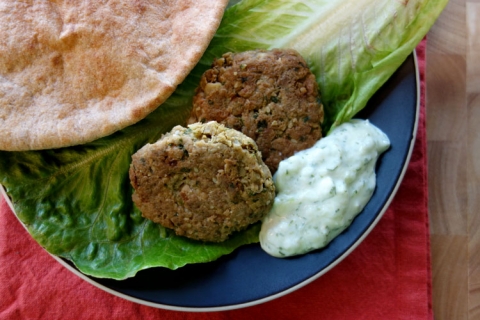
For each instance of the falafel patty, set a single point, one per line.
(271, 96)
(205, 181)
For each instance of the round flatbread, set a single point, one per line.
(75, 71)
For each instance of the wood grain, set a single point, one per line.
(473, 184)
(453, 142)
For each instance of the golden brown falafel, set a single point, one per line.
(205, 181)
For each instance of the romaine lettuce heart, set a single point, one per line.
(76, 202)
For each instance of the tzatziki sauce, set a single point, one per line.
(320, 190)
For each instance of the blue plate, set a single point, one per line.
(249, 276)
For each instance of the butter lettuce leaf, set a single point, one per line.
(76, 201)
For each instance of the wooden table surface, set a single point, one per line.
(453, 142)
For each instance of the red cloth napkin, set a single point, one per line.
(386, 277)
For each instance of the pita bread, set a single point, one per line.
(75, 71)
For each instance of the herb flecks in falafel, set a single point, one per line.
(205, 181)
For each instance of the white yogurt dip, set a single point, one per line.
(320, 190)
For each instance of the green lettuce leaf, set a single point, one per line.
(352, 47)
(76, 202)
